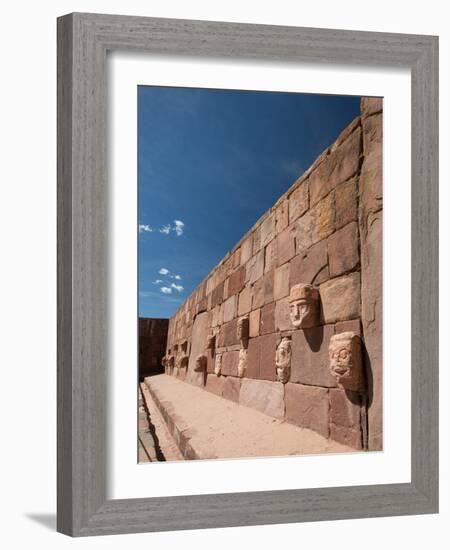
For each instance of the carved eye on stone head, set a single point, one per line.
(343, 354)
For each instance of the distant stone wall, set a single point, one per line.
(251, 331)
(152, 345)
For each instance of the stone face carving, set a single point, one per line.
(200, 363)
(304, 306)
(243, 330)
(211, 342)
(242, 365)
(346, 361)
(283, 360)
(218, 365)
(184, 360)
(184, 346)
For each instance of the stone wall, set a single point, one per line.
(152, 345)
(325, 233)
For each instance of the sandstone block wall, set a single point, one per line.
(324, 231)
(152, 345)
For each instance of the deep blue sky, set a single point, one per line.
(216, 160)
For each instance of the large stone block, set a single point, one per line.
(323, 218)
(282, 315)
(228, 334)
(266, 397)
(345, 418)
(271, 256)
(307, 407)
(338, 166)
(371, 105)
(200, 332)
(230, 360)
(214, 384)
(310, 361)
(281, 216)
(341, 298)
(281, 282)
(346, 202)
(268, 318)
(245, 300)
(299, 201)
(229, 309)
(236, 281)
(267, 230)
(247, 250)
(311, 267)
(254, 320)
(217, 295)
(303, 232)
(231, 388)
(237, 258)
(268, 281)
(343, 249)
(258, 294)
(286, 245)
(253, 358)
(267, 350)
(255, 267)
(349, 326)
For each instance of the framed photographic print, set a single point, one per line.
(247, 276)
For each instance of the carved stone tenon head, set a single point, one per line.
(218, 365)
(304, 306)
(200, 363)
(346, 361)
(242, 365)
(211, 342)
(283, 360)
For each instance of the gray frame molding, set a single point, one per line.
(83, 40)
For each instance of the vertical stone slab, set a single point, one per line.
(198, 344)
(370, 228)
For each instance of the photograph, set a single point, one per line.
(260, 273)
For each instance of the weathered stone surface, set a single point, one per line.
(267, 324)
(268, 281)
(299, 201)
(345, 418)
(307, 268)
(254, 317)
(348, 326)
(341, 298)
(271, 256)
(199, 334)
(303, 233)
(258, 294)
(282, 317)
(346, 361)
(371, 105)
(228, 334)
(310, 361)
(266, 397)
(286, 245)
(323, 218)
(268, 346)
(346, 203)
(256, 240)
(230, 360)
(307, 407)
(245, 300)
(237, 258)
(370, 227)
(246, 250)
(229, 309)
(281, 282)
(236, 281)
(281, 216)
(255, 267)
(214, 384)
(231, 389)
(267, 231)
(253, 358)
(343, 249)
(217, 295)
(337, 167)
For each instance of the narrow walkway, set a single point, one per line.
(207, 426)
(155, 442)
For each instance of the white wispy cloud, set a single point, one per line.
(165, 229)
(144, 228)
(163, 271)
(177, 277)
(177, 287)
(178, 227)
(158, 282)
(166, 290)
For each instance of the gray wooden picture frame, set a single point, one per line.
(83, 41)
